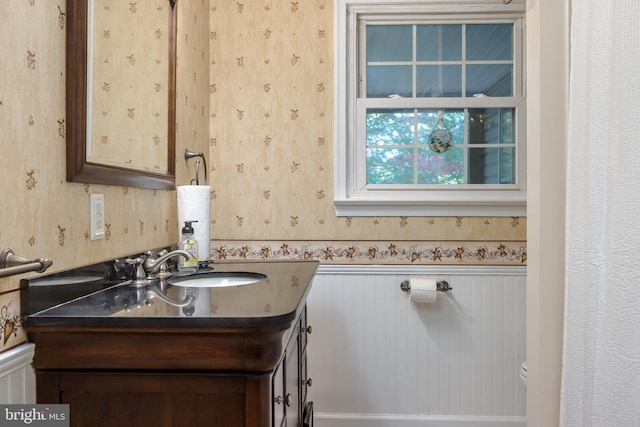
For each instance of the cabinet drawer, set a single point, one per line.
(292, 381)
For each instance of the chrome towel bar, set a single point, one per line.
(442, 286)
(10, 264)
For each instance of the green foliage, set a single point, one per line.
(397, 150)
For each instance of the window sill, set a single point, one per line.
(463, 203)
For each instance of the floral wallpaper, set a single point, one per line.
(43, 215)
(271, 147)
(254, 92)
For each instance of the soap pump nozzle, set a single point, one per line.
(188, 229)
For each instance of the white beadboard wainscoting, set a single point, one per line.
(17, 378)
(379, 360)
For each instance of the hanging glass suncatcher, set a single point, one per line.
(440, 138)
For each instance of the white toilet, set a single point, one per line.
(523, 374)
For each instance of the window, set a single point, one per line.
(430, 109)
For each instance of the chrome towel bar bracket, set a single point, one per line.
(442, 286)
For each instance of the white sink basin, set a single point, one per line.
(217, 279)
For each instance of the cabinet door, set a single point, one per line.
(307, 417)
(304, 330)
(278, 396)
(293, 383)
(116, 399)
(305, 382)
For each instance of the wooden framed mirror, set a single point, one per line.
(121, 92)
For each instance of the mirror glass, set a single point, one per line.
(121, 92)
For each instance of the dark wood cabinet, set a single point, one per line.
(152, 399)
(109, 395)
(305, 382)
(240, 362)
(290, 382)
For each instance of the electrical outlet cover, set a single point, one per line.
(97, 216)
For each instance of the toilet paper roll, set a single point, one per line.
(194, 204)
(423, 291)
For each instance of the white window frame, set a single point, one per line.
(351, 196)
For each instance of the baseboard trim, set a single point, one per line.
(395, 420)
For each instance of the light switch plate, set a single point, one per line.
(97, 216)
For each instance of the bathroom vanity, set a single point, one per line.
(234, 356)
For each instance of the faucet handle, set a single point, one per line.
(149, 261)
(138, 262)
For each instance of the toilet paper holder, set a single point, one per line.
(442, 286)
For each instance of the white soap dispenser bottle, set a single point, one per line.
(189, 244)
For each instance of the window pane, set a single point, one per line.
(385, 80)
(489, 42)
(439, 42)
(389, 43)
(491, 126)
(441, 168)
(491, 166)
(390, 166)
(508, 131)
(453, 120)
(390, 127)
(489, 79)
(438, 80)
(507, 171)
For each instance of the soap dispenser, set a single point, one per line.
(189, 244)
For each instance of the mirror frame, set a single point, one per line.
(78, 168)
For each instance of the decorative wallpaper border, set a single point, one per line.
(376, 252)
(12, 333)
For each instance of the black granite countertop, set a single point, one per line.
(95, 296)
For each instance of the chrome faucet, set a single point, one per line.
(153, 265)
